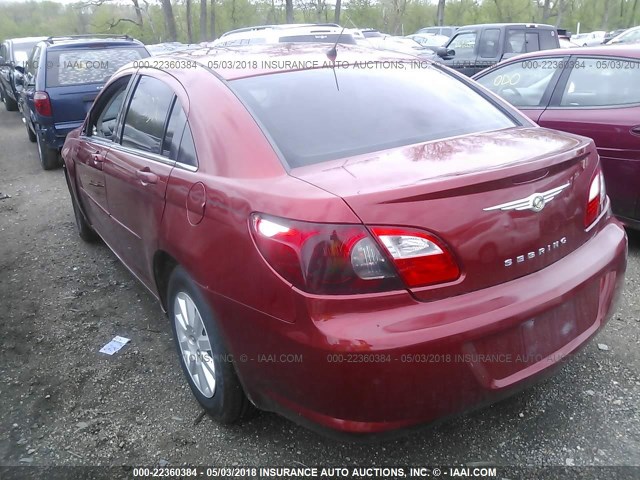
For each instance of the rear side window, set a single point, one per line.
(321, 114)
(147, 114)
(533, 43)
(95, 65)
(600, 82)
(178, 141)
(548, 39)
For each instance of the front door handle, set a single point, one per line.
(146, 176)
(96, 161)
(635, 130)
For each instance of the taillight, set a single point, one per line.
(420, 258)
(42, 104)
(597, 198)
(345, 259)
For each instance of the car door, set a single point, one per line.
(489, 51)
(97, 138)
(137, 171)
(527, 84)
(463, 47)
(599, 98)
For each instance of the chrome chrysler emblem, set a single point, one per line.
(535, 202)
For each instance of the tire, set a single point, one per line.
(223, 398)
(49, 157)
(9, 103)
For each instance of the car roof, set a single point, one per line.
(273, 33)
(631, 51)
(283, 57)
(17, 41)
(285, 26)
(84, 41)
(500, 25)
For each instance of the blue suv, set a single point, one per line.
(63, 77)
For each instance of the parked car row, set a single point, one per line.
(55, 83)
(443, 247)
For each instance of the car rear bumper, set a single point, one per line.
(384, 362)
(55, 135)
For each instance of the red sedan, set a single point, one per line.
(593, 92)
(361, 245)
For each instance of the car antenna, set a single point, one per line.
(333, 53)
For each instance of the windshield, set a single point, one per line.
(21, 52)
(75, 66)
(309, 114)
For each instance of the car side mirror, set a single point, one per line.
(444, 52)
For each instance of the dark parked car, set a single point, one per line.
(476, 47)
(591, 91)
(359, 276)
(63, 77)
(14, 53)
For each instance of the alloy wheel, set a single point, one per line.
(195, 346)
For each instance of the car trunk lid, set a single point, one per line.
(456, 189)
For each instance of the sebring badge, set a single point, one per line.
(535, 202)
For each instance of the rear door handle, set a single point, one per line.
(635, 130)
(96, 161)
(146, 176)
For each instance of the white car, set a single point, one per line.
(628, 36)
(589, 39)
(429, 39)
(288, 33)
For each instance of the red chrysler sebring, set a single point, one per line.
(360, 245)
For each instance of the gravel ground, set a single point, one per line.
(63, 403)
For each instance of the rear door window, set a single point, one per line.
(395, 107)
(489, 43)
(601, 82)
(515, 42)
(144, 124)
(524, 83)
(82, 66)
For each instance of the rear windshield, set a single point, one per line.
(314, 116)
(95, 65)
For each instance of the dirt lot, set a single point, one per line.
(63, 403)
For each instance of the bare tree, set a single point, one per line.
(289, 9)
(203, 20)
(633, 13)
(440, 14)
(336, 17)
(605, 17)
(212, 20)
(189, 29)
(546, 10)
(169, 20)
